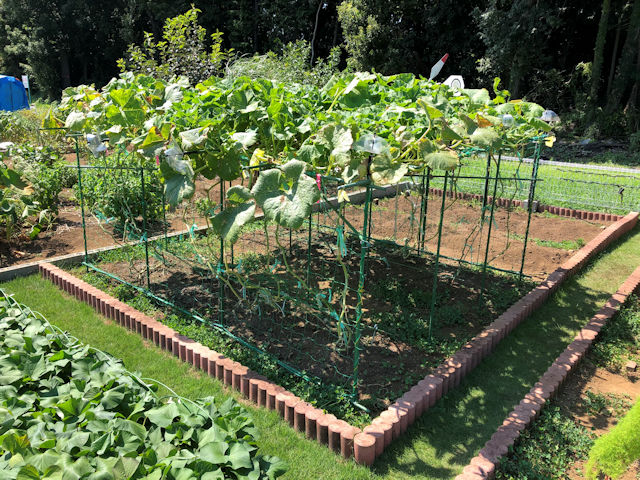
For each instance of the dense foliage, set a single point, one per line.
(46, 172)
(69, 411)
(182, 51)
(113, 193)
(17, 203)
(356, 126)
(578, 57)
(546, 450)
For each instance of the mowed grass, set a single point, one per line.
(572, 187)
(443, 440)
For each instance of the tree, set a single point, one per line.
(598, 54)
(183, 51)
(64, 42)
(410, 35)
(627, 77)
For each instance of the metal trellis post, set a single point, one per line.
(532, 193)
(144, 226)
(434, 288)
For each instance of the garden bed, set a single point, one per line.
(552, 239)
(396, 349)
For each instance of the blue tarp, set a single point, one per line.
(13, 96)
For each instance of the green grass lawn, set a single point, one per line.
(443, 440)
(572, 187)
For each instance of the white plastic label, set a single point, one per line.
(25, 81)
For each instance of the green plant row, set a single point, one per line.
(17, 202)
(68, 411)
(357, 126)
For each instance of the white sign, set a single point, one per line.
(25, 81)
(455, 81)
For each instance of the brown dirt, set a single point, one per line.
(65, 235)
(393, 354)
(463, 237)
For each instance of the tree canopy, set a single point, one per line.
(581, 57)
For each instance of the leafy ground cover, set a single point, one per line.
(443, 440)
(70, 411)
(305, 459)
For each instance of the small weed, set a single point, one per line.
(595, 403)
(561, 245)
(609, 405)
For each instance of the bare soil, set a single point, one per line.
(465, 236)
(396, 301)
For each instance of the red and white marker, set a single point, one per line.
(435, 70)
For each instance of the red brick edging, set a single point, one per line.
(305, 418)
(367, 444)
(483, 466)
(560, 211)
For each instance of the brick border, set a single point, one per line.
(305, 418)
(367, 444)
(483, 466)
(406, 409)
(560, 211)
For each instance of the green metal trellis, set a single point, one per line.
(315, 305)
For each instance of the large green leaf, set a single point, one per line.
(122, 96)
(163, 416)
(240, 456)
(273, 467)
(385, 170)
(245, 139)
(445, 160)
(75, 121)
(338, 140)
(229, 222)
(216, 453)
(286, 195)
(194, 138)
(486, 138)
(178, 175)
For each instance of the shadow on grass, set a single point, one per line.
(446, 437)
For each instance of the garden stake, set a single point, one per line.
(84, 226)
(424, 208)
(144, 227)
(532, 191)
(364, 251)
(220, 268)
(493, 206)
(484, 198)
(437, 264)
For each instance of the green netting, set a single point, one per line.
(330, 301)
